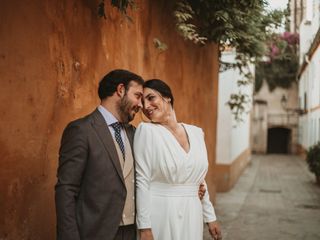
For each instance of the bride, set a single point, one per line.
(171, 163)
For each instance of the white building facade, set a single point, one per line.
(233, 139)
(309, 75)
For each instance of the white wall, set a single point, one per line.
(309, 125)
(309, 26)
(309, 82)
(232, 139)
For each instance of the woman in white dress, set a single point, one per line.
(171, 163)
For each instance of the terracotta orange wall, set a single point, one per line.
(52, 56)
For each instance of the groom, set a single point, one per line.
(95, 190)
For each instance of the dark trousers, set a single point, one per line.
(127, 232)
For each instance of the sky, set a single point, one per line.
(278, 4)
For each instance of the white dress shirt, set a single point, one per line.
(110, 119)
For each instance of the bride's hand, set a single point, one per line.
(214, 230)
(146, 234)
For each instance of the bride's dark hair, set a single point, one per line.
(161, 87)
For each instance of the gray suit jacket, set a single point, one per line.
(90, 193)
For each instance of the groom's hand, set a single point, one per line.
(202, 190)
(146, 234)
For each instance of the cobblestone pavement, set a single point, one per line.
(276, 198)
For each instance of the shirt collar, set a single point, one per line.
(108, 116)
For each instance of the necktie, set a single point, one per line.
(117, 129)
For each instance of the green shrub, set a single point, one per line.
(313, 159)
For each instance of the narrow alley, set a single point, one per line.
(275, 198)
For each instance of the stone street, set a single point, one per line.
(275, 198)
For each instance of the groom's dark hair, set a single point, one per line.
(109, 83)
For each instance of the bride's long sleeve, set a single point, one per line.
(207, 208)
(143, 156)
(209, 214)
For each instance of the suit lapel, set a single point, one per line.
(104, 134)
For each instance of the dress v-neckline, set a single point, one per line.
(176, 140)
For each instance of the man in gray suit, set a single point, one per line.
(95, 190)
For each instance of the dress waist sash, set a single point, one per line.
(174, 190)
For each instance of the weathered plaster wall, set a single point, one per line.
(271, 114)
(52, 56)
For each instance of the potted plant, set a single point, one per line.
(313, 160)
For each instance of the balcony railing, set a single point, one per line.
(283, 119)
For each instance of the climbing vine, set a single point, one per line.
(121, 5)
(243, 25)
(281, 64)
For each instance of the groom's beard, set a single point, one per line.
(126, 109)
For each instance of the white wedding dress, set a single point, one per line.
(168, 179)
